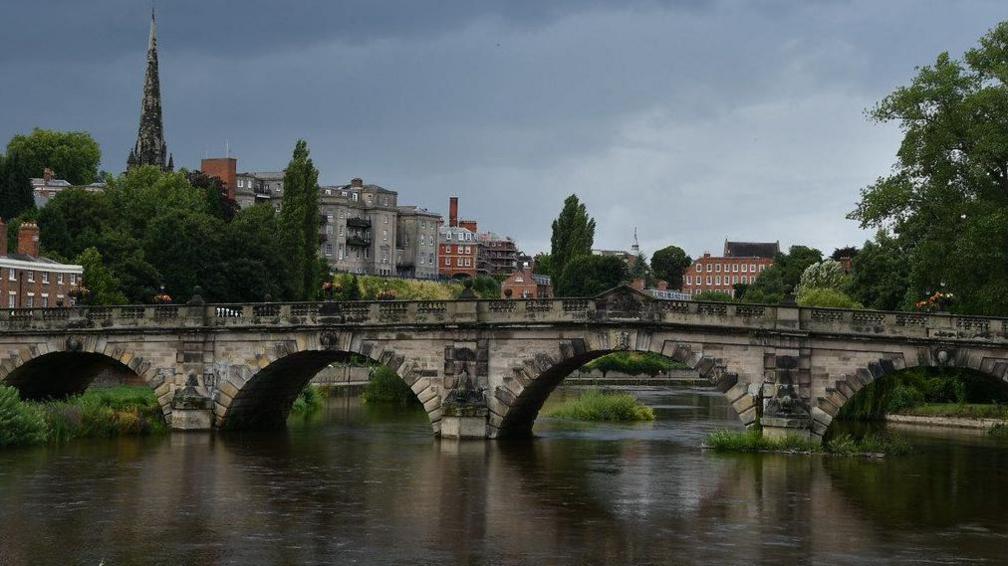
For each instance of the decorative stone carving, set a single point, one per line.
(73, 344)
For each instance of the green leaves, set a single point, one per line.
(299, 223)
(573, 235)
(73, 156)
(669, 263)
(589, 275)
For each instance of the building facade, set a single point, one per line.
(225, 169)
(459, 249)
(358, 228)
(30, 281)
(496, 255)
(259, 187)
(417, 243)
(524, 284)
(741, 263)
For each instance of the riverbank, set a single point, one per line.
(107, 412)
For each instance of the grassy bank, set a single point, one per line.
(387, 388)
(105, 413)
(595, 405)
(958, 410)
(633, 363)
(841, 445)
(928, 392)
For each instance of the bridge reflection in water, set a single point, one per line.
(357, 485)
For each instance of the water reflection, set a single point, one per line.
(354, 484)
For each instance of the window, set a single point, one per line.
(11, 276)
(752, 267)
(384, 235)
(59, 278)
(761, 268)
(447, 261)
(734, 268)
(328, 249)
(45, 277)
(710, 268)
(386, 219)
(717, 280)
(699, 268)
(31, 276)
(45, 300)
(30, 303)
(708, 279)
(73, 278)
(688, 279)
(447, 236)
(745, 267)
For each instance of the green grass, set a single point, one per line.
(842, 445)
(959, 410)
(95, 413)
(634, 363)
(596, 406)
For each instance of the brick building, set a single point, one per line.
(225, 169)
(30, 281)
(742, 262)
(496, 255)
(524, 284)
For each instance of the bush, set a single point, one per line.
(830, 298)
(595, 405)
(904, 397)
(385, 387)
(308, 401)
(752, 440)
(713, 297)
(633, 363)
(20, 424)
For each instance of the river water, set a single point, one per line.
(358, 485)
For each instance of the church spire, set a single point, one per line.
(150, 147)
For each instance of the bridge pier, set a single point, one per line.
(464, 422)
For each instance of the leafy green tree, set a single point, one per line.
(542, 264)
(73, 156)
(217, 199)
(299, 222)
(102, 284)
(486, 287)
(589, 275)
(186, 248)
(780, 280)
(826, 274)
(826, 297)
(573, 235)
(74, 220)
(638, 268)
(946, 200)
(670, 263)
(879, 274)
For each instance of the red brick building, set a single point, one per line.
(224, 168)
(458, 245)
(30, 281)
(527, 285)
(742, 262)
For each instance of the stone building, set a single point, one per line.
(150, 147)
(359, 228)
(417, 243)
(28, 280)
(259, 187)
(741, 262)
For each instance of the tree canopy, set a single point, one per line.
(589, 275)
(299, 223)
(781, 280)
(73, 156)
(670, 263)
(946, 200)
(573, 235)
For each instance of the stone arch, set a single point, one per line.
(825, 409)
(515, 405)
(66, 366)
(260, 393)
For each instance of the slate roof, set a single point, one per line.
(751, 249)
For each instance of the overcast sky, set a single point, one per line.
(694, 121)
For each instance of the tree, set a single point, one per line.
(73, 156)
(826, 297)
(218, 202)
(879, 274)
(946, 200)
(827, 274)
(299, 222)
(573, 234)
(670, 263)
(542, 264)
(781, 279)
(102, 284)
(589, 275)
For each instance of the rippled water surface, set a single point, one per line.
(358, 485)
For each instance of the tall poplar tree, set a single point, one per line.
(573, 234)
(299, 222)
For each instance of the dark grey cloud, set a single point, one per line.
(694, 121)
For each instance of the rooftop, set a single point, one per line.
(751, 249)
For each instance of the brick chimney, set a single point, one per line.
(3, 238)
(28, 239)
(453, 211)
(357, 183)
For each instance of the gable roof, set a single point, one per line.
(751, 249)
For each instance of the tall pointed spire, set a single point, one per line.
(150, 147)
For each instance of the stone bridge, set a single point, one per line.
(484, 368)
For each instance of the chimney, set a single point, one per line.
(3, 238)
(453, 211)
(357, 183)
(28, 239)
(47, 176)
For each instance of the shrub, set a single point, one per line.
(20, 424)
(904, 397)
(633, 363)
(824, 297)
(308, 401)
(595, 405)
(385, 387)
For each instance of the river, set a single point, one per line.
(354, 484)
